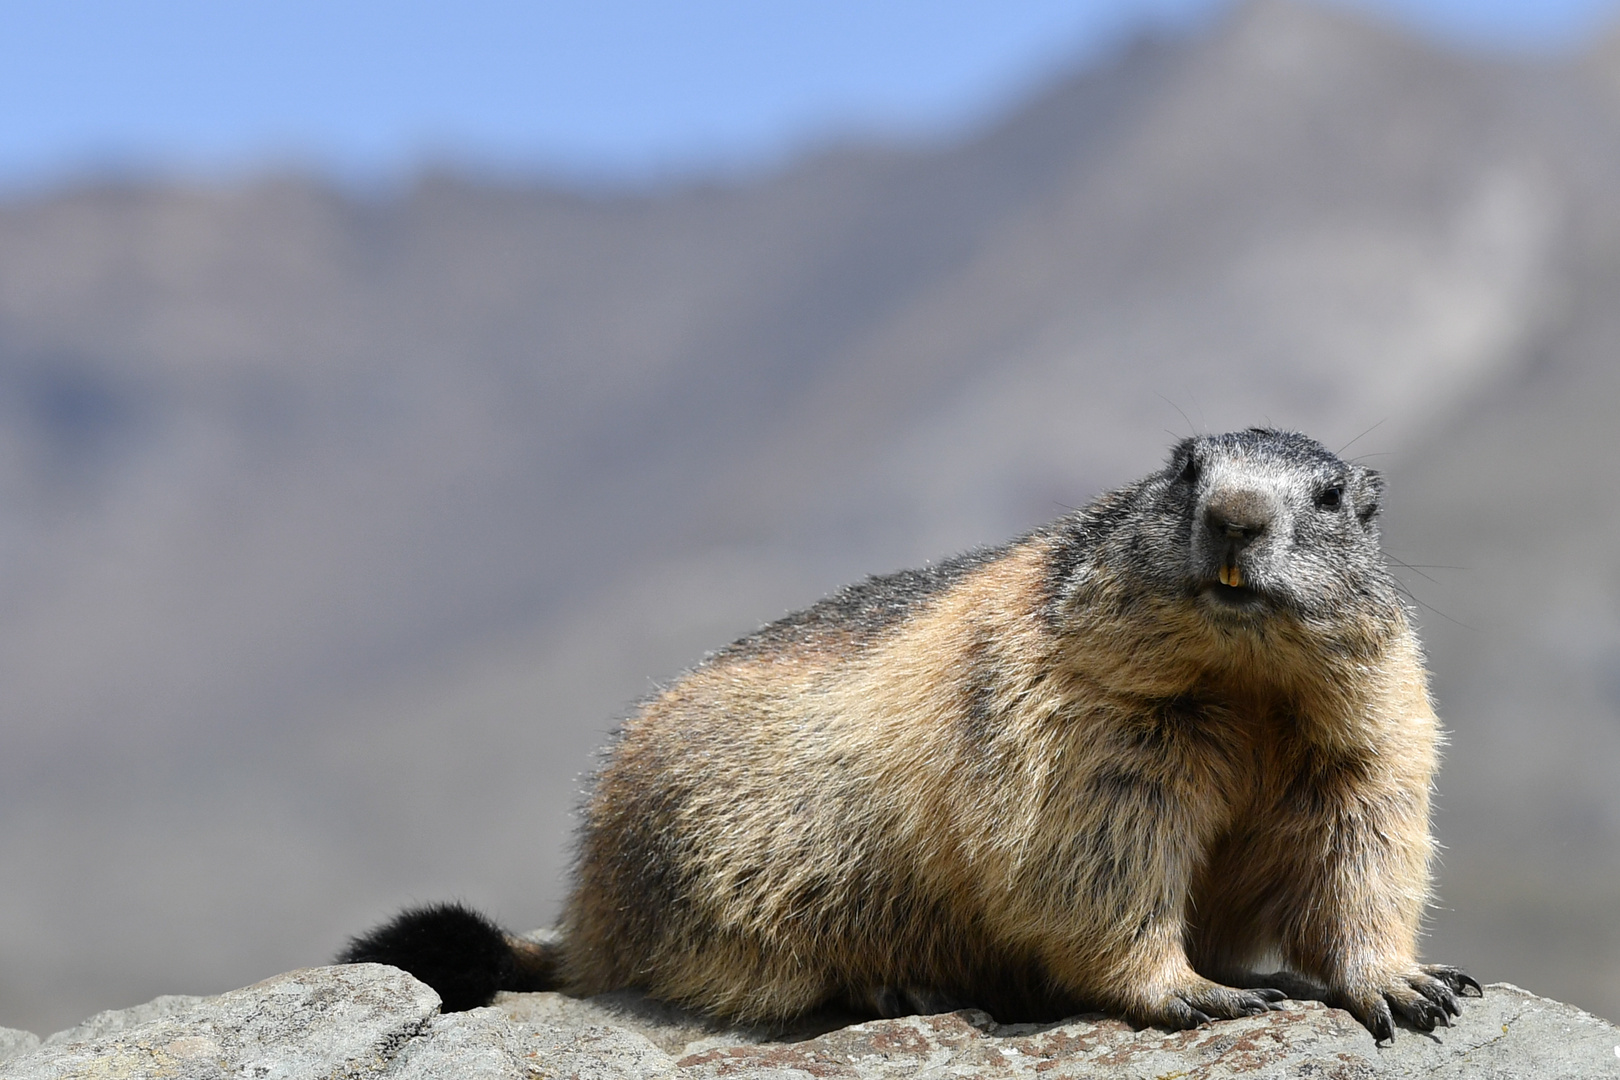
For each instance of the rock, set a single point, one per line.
(1509, 1033)
(319, 1022)
(368, 1021)
(487, 1044)
(475, 1045)
(674, 1031)
(116, 1020)
(14, 1042)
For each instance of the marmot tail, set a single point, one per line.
(460, 953)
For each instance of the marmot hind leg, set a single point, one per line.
(889, 1002)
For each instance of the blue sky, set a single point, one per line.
(368, 89)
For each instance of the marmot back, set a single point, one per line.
(1116, 764)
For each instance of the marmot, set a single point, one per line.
(1116, 764)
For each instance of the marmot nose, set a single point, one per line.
(1238, 515)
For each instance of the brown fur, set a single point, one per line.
(1042, 785)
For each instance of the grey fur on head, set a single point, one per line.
(1296, 524)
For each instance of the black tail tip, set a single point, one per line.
(452, 948)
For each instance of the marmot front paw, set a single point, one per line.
(1200, 1001)
(1424, 997)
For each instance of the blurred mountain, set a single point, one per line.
(338, 530)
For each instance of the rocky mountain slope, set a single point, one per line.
(338, 529)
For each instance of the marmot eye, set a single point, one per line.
(1189, 471)
(1330, 499)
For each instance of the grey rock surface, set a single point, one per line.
(503, 1042)
(372, 1021)
(14, 1042)
(316, 1022)
(476, 1045)
(114, 1021)
(1509, 1034)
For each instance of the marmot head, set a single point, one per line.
(1261, 523)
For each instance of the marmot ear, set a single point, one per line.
(1182, 462)
(1370, 494)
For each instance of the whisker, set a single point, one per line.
(1404, 591)
(1203, 421)
(1358, 438)
(1191, 429)
(1410, 567)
